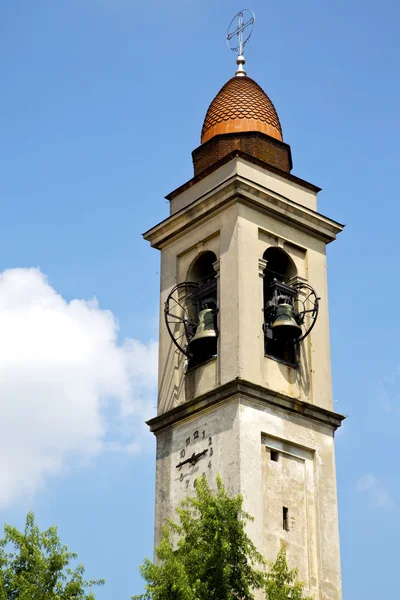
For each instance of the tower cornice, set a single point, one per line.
(238, 188)
(245, 390)
(238, 153)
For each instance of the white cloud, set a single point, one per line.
(68, 391)
(379, 497)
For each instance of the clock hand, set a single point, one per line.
(184, 462)
(192, 459)
(198, 456)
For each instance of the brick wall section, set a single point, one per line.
(271, 151)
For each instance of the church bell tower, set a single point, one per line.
(244, 359)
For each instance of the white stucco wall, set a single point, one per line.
(238, 437)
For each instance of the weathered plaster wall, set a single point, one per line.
(304, 481)
(238, 437)
(218, 433)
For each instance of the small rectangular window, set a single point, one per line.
(274, 455)
(285, 515)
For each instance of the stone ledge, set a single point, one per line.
(240, 189)
(251, 159)
(246, 389)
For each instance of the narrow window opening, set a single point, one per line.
(274, 455)
(285, 522)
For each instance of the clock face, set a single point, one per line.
(195, 457)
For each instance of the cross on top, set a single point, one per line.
(243, 22)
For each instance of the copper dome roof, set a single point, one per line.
(241, 106)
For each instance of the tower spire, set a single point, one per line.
(244, 20)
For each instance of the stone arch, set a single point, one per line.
(202, 267)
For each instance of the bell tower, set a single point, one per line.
(244, 359)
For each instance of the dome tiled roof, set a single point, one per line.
(240, 106)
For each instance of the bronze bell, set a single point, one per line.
(285, 327)
(203, 344)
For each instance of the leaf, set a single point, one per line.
(34, 565)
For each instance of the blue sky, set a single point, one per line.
(102, 103)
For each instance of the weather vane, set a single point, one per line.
(241, 27)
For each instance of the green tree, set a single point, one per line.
(34, 565)
(281, 582)
(209, 556)
(213, 558)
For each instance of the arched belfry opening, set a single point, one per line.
(203, 345)
(190, 311)
(279, 265)
(202, 268)
(278, 305)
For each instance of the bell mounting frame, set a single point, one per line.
(306, 307)
(180, 314)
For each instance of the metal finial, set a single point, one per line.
(243, 20)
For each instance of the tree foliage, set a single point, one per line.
(213, 559)
(209, 556)
(281, 582)
(34, 565)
